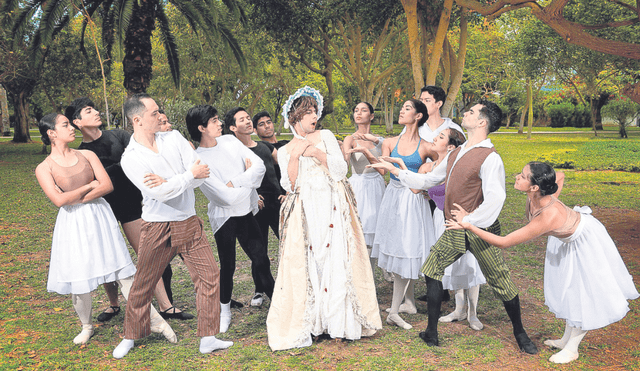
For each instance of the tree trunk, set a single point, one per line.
(411, 11)
(438, 43)
(137, 63)
(5, 125)
(523, 116)
(456, 80)
(388, 113)
(623, 131)
(530, 104)
(331, 92)
(21, 109)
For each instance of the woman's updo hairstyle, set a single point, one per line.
(544, 177)
(46, 123)
(299, 108)
(456, 138)
(420, 108)
(369, 106)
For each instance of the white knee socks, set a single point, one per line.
(399, 288)
(225, 316)
(472, 313)
(82, 305)
(460, 313)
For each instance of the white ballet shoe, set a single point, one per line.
(395, 319)
(160, 326)
(405, 308)
(368, 332)
(225, 317)
(562, 342)
(210, 344)
(564, 356)
(123, 348)
(84, 336)
(453, 317)
(475, 324)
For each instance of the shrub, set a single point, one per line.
(560, 114)
(582, 116)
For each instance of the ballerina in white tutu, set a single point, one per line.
(585, 280)
(87, 248)
(360, 149)
(404, 230)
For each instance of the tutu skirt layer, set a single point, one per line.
(404, 231)
(585, 279)
(369, 190)
(87, 249)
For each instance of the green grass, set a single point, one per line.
(36, 327)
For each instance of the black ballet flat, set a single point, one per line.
(176, 315)
(525, 344)
(429, 340)
(236, 304)
(106, 316)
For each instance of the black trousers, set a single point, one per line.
(269, 216)
(246, 230)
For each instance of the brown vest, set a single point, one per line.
(464, 185)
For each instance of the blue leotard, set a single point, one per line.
(413, 161)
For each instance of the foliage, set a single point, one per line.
(176, 109)
(560, 114)
(128, 24)
(621, 110)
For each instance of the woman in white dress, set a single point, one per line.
(585, 280)
(404, 230)
(324, 283)
(360, 148)
(87, 246)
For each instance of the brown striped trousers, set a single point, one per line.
(159, 243)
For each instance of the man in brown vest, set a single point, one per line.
(474, 179)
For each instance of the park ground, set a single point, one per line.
(36, 327)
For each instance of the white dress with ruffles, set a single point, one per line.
(585, 280)
(324, 282)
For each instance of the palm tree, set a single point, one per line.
(127, 23)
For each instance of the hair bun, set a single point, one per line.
(551, 189)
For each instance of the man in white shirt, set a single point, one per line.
(232, 215)
(166, 170)
(433, 97)
(474, 179)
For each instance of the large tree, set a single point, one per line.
(609, 27)
(18, 76)
(128, 24)
(358, 39)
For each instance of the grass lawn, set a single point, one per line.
(37, 327)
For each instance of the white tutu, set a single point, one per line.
(404, 231)
(465, 272)
(87, 249)
(369, 190)
(585, 279)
